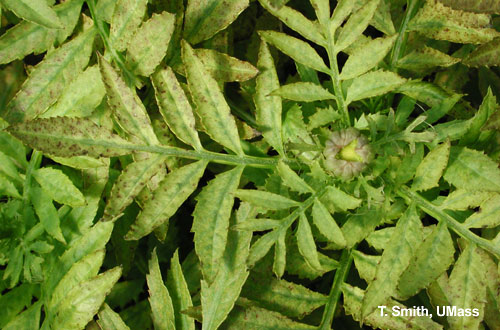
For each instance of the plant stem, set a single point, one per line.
(453, 224)
(334, 74)
(333, 298)
(104, 33)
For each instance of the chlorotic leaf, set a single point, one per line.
(472, 170)
(396, 257)
(58, 186)
(366, 265)
(211, 220)
(268, 107)
(355, 25)
(484, 55)
(305, 242)
(488, 215)
(110, 320)
(125, 21)
(36, 11)
(431, 168)
(265, 199)
(292, 179)
(205, 18)
(477, 6)
(47, 80)
(279, 263)
(159, 298)
(149, 44)
(425, 58)
(432, 258)
(82, 302)
(27, 37)
(225, 68)
(173, 190)
(358, 226)
(325, 223)
(303, 92)
(175, 107)
(467, 289)
(262, 246)
(126, 105)
(373, 84)
(297, 49)
(367, 57)
(65, 137)
(130, 183)
(211, 106)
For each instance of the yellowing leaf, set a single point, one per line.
(36, 11)
(109, 319)
(268, 108)
(167, 198)
(223, 67)
(265, 199)
(149, 44)
(303, 92)
(326, 224)
(305, 242)
(488, 216)
(65, 137)
(373, 84)
(126, 105)
(47, 80)
(292, 179)
(431, 168)
(57, 185)
(484, 55)
(425, 59)
(211, 106)
(478, 6)
(367, 57)
(205, 18)
(126, 18)
(159, 298)
(175, 107)
(297, 49)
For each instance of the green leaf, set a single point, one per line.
(396, 257)
(487, 108)
(353, 298)
(211, 220)
(149, 44)
(342, 10)
(159, 298)
(59, 187)
(382, 19)
(472, 170)
(9, 169)
(432, 258)
(425, 58)
(358, 226)
(179, 293)
(256, 318)
(484, 55)
(287, 298)
(292, 179)
(262, 246)
(47, 80)
(36, 11)
(367, 57)
(444, 23)
(279, 263)
(225, 68)
(218, 298)
(82, 302)
(264, 199)
(373, 84)
(366, 265)
(296, 21)
(462, 199)
(130, 183)
(492, 283)
(303, 92)
(305, 242)
(125, 21)
(488, 216)
(47, 213)
(104, 9)
(379, 239)
(425, 92)
(296, 265)
(27, 37)
(127, 107)
(173, 190)
(80, 97)
(258, 224)
(336, 200)
(205, 18)
(110, 320)
(326, 224)
(467, 289)
(27, 320)
(431, 168)
(13, 148)
(355, 25)
(175, 107)
(82, 270)
(268, 108)
(298, 50)
(211, 106)
(66, 137)
(14, 301)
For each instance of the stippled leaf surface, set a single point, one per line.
(488, 215)
(36, 11)
(224, 67)
(425, 59)
(303, 92)
(159, 297)
(430, 170)
(211, 106)
(58, 186)
(125, 21)
(110, 320)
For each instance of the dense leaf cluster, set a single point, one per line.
(241, 164)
